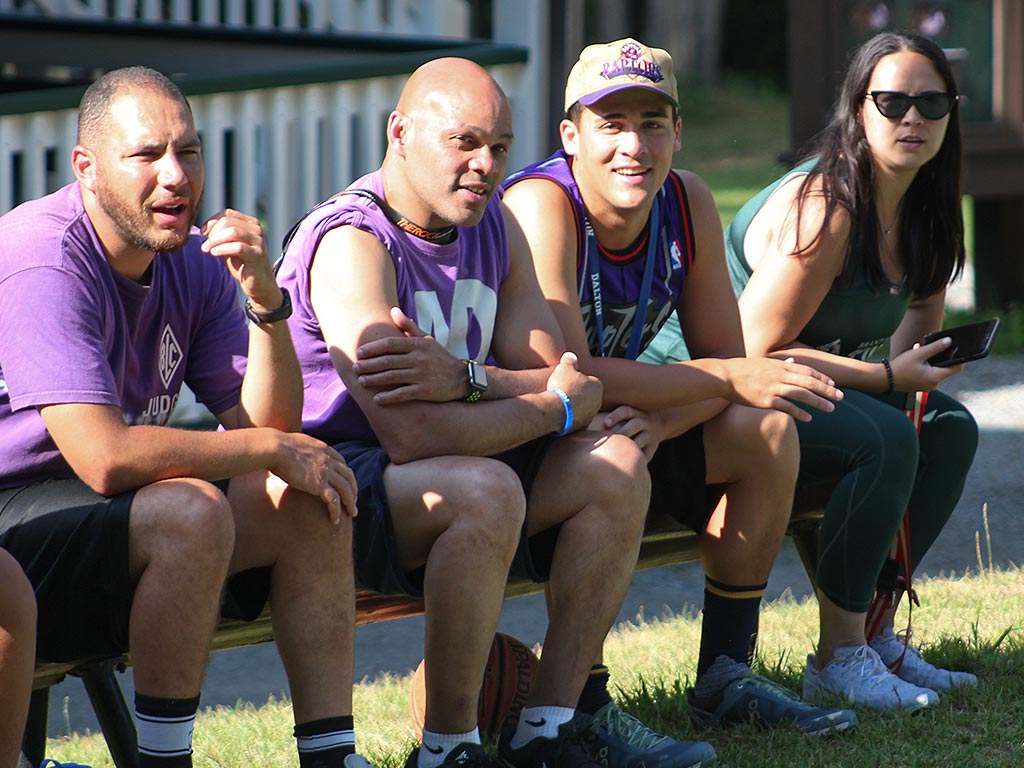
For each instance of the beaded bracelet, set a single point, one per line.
(888, 375)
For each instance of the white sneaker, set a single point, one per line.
(857, 675)
(889, 647)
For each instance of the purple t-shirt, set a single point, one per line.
(450, 290)
(72, 330)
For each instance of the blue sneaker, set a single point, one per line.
(622, 741)
(751, 698)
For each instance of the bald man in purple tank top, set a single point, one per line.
(435, 367)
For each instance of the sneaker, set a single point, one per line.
(355, 760)
(622, 741)
(857, 675)
(751, 698)
(889, 646)
(464, 755)
(572, 748)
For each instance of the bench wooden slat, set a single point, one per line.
(665, 542)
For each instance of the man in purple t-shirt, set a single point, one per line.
(452, 452)
(127, 528)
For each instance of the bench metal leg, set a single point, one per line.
(33, 745)
(112, 713)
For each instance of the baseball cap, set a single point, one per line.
(609, 67)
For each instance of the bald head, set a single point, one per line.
(448, 142)
(443, 80)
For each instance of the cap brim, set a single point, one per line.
(592, 98)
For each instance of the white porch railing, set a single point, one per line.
(277, 152)
(273, 152)
(447, 18)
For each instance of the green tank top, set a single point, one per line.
(853, 320)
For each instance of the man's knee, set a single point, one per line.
(488, 505)
(185, 519)
(617, 479)
(756, 439)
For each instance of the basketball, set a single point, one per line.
(507, 677)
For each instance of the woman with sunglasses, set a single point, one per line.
(850, 250)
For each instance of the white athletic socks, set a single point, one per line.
(540, 722)
(436, 746)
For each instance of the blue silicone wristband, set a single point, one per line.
(567, 404)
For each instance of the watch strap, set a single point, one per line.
(476, 387)
(281, 313)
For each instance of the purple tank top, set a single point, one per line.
(450, 290)
(621, 277)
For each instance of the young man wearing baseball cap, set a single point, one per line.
(615, 233)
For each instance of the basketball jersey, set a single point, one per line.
(449, 289)
(621, 277)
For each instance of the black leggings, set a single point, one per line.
(881, 467)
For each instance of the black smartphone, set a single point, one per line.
(970, 342)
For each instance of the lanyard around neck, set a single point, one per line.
(594, 261)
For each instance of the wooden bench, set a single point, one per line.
(665, 542)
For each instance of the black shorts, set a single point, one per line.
(72, 544)
(679, 487)
(377, 565)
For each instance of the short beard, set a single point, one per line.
(132, 224)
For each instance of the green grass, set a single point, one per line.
(971, 622)
(732, 137)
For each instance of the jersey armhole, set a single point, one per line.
(686, 218)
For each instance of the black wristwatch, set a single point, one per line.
(477, 380)
(281, 313)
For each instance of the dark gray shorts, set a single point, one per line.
(72, 544)
(377, 566)
(679, 487)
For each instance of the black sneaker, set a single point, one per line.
(752, 698)
(464, 755)
(572, 748)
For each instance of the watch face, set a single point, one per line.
(477, 375)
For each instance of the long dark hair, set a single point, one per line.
(931, 221)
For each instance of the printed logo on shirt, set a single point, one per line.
(865, 350)
(833, 347)
(158, 411)
(170, 356)
(676, 254)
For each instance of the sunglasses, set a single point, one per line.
(933, 105)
